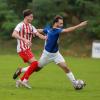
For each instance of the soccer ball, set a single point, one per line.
(79, 84)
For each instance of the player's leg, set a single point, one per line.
(32, 68)
(59, 60)
(28, 56)
(18, 71)
(68, 72)
(70, 75)
(44, 59)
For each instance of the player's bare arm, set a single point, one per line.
(41, 36)
(16, 35)
(70, 29)
(40, 30)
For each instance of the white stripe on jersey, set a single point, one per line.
(25, 31)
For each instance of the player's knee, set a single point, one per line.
(34, 65)
(41, 64)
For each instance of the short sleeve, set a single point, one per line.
(45, 30)
(60, 30)
(34, 30)
(18, 28)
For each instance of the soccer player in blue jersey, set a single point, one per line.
(51, 48)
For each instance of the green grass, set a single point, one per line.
(51, 83)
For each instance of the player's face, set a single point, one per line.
(60, 23)
(30, 18)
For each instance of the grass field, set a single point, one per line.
(51, 83)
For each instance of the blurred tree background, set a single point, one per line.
(73, 12)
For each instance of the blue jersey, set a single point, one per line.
(51, 44)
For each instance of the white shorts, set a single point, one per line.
(47, 57)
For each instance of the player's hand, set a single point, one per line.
(44, 37)
(27, 42)
(83, 23)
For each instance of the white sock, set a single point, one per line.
(24, 69)
(70, 76)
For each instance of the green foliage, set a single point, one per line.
(73, 11)
(8, 19)
(90, 10)
(18, 5)
(45, 10)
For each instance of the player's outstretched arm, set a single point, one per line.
(40, 30)
(70, 29)
(40, 35)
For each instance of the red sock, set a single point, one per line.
(30, 70)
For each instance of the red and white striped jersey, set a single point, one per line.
(26, 31)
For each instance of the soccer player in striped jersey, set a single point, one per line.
(24, 32)
(51, 48)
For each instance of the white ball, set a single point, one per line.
(79, 84)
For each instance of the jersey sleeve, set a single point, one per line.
(45, 30)
(18, 28)
(34, 30)
(60, 30)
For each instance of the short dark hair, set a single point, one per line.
(27, 12)
(56, 18)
